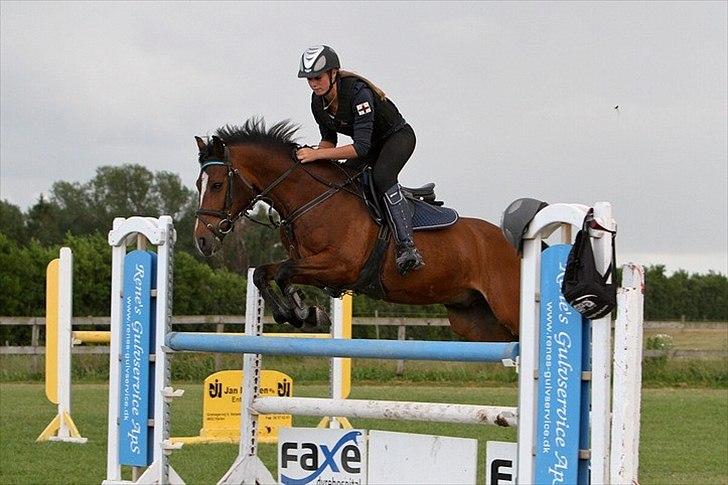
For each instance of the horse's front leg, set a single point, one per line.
(283, 311)
(315, 270)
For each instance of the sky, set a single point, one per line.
(508, 100)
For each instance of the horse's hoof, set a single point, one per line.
(287, 318)
(301, 312)
(317, 318)
(297, 297)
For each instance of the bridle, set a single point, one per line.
(227, 218)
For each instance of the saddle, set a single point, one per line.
(427, 211)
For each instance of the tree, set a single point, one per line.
(12, 222)
(122, 191)
(43, 222)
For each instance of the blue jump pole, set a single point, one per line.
(359, 348)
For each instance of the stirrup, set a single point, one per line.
(408, 259)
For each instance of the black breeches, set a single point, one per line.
(395, 152)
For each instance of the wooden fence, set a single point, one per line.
(235, 323)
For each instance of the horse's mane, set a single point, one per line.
(254, 130)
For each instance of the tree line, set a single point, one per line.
(79, 215)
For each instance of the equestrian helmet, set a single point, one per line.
(317, 60)
(517, 217)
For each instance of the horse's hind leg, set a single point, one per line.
(475, 321)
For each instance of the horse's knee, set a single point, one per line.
(260, 277)
(284, 274)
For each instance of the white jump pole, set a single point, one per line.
(628, 329)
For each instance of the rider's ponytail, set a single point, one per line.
(380, 94)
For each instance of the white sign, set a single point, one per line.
(501, 463)
(322, 456)
(404, 458)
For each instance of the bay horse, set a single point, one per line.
(329, 235)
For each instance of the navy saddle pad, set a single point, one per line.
(427, 216)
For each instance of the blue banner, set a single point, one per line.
(137, 334)
(560, 365)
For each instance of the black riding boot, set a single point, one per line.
(399, 215)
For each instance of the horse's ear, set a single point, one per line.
(200, 143)
(218, 147)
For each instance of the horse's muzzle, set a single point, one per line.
(207, 244)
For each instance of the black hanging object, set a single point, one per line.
(583, 287)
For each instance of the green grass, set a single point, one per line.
(656, 372)
(195, 367)
(694, 338)
(684, 436)
(684, 431)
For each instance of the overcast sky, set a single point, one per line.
(507, 99)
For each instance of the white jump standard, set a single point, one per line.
(581, 421)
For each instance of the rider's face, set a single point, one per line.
(319, 84)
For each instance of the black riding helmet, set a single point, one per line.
(317, 60)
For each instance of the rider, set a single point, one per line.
(344, 102)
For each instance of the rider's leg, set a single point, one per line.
(394, 154)
(399, 215)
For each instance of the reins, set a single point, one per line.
(228, 219)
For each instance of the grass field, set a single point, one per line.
(694, 338)
(684, 432)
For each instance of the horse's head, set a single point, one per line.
(223, 198)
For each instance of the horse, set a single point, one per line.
(329, 235)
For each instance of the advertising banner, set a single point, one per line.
(337, 456)
(501, 463)
(560, 367)
(223, 393)
(137, 330)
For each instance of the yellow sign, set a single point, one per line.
(223, 393)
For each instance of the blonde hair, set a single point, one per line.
(371, 85)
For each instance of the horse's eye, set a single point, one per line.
(217, 186)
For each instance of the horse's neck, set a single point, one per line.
(263, 167)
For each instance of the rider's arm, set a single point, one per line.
(327, 147)
(363, 108)
(336, 153)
